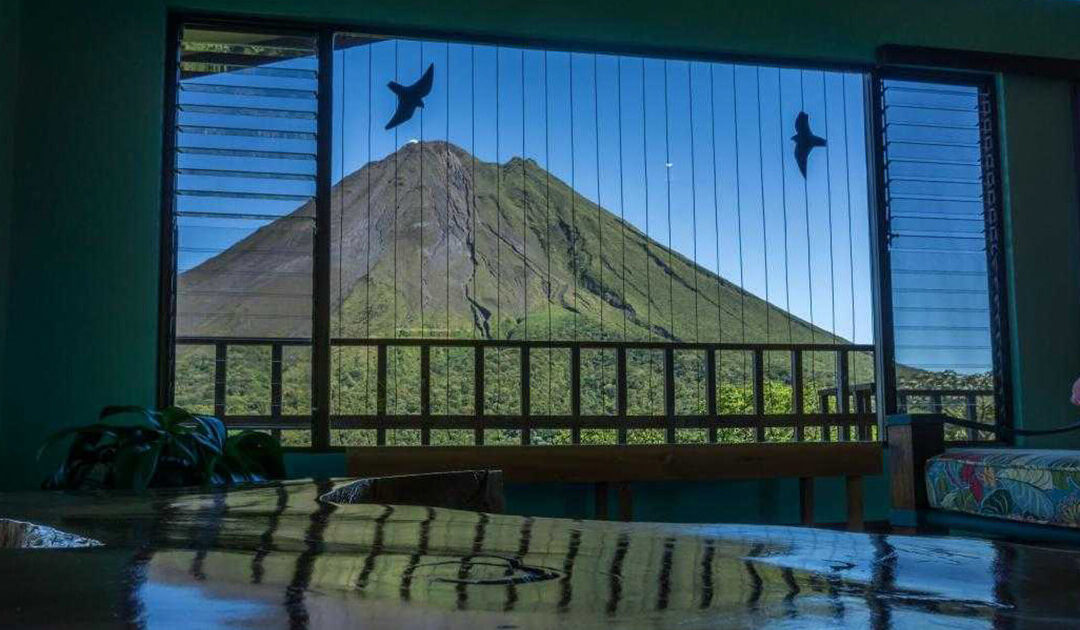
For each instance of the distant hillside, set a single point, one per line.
(516, 247)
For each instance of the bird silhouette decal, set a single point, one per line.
(410, 97)
(805, 141)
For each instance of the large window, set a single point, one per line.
(382, 240)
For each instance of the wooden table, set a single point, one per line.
(277, 556)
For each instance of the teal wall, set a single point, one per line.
(9, 67)
(1042, 229)
(80, 316)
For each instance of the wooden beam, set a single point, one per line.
(615, 463)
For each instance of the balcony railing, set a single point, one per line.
(859, 421)
(920, 400)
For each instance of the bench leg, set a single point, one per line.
(912, 440)
(854, 488)
(601, 507)
(806, 501)
(626, 502)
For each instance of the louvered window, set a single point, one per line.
(244, 179)
(943, 244)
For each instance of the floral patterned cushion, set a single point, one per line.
(1037, 486)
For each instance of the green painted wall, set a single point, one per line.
(81, 316)
(1043, 232)
(9, 70)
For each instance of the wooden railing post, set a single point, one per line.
(620, 392)
(669, 395)
(843, 407)
(526, 395)
(478, 394)
(862, 408)
(575, 394)
(380, 393)
(710, 394)
(275, 387)
(425, 394)
(275, 380)
(971, 415)
(221, 366)
(798, 404)
(759, 393)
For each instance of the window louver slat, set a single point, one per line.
(937, 233)
(244, 160)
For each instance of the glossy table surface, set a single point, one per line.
(277, 556)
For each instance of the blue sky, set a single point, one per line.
(611, 125)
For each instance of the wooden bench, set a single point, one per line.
(619, 466)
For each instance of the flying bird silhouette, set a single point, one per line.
(805, 141)
(410, 97)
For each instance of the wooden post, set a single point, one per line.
(971, 415)
(843, 406)
(710, 394)
(221, 369)
(854, 488)
(425, 394)
(620, 392)
(380, 393)
(669, 395)
(912, 439)
(478, 394)
(275, 380)
(798, 405)
(759, 394)
(526, 396)
(575, 394)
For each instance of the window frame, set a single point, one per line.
(994, 219)
(321, 334)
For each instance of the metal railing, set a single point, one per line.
(861, 419)
(936, 401)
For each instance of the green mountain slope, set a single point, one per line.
(429, 235)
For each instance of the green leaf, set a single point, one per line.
(148, 416)
(135, 466)
(997, 503)
(257, 453)
(173, 418)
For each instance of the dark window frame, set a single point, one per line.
(320, 416)
(994, 216)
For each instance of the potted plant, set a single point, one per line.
(134, 448)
